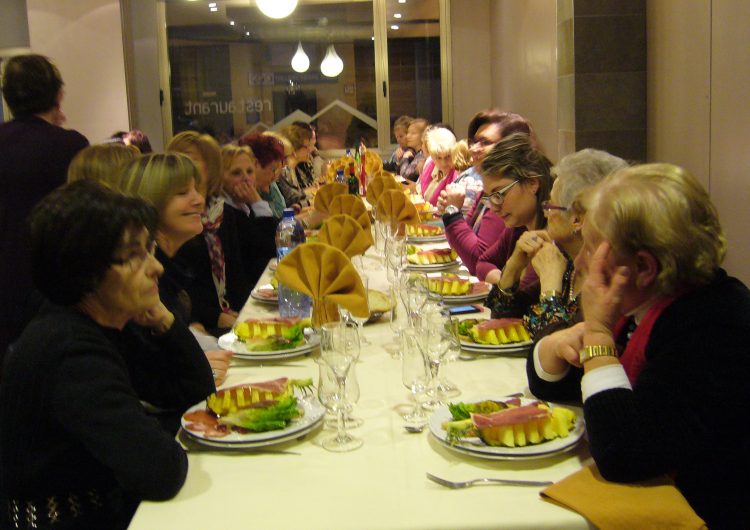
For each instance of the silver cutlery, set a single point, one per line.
(486, 481)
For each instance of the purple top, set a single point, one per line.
(470, 244)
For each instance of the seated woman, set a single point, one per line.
(400, 126)
(256, 224)
(660, 397)
(413, 159)
(517, 180)
(472, 235)
(291, 181)
(101, 163)
(168, 182)
(78, 449)
(551, 251)
(438, 171)
(269, 154)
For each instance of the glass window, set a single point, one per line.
(235, 70)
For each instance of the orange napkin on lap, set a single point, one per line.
(379, 184)
(352, 206)
(343, 232)
(608, 505)
(396, 207)
(326, 193)
(326, 275)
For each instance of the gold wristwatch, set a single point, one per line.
(590, 352)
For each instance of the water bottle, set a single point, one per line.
(340, 178)
(289, 234)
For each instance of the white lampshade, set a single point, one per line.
(332, 64)
(276, 8)
(300, 61)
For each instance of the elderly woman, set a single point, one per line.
(101, 163)
(269, 155)
(551, 251)
(292, 180)
(439, 170)
(517, 181)
(662, 353)
(168, 182)
(78, 449)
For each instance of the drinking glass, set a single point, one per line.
(327, 388)
(414, 374)
(359, 320)
(414, 292)
(436, 337)
(339, 349)
(446, 387)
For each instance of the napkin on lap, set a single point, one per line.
(379, 184)
(655, 503)
(343, 232)
(351, 205)
(326, 193)
(396, 207)
(326, 275)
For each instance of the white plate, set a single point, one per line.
(255, 296)
(433, 266)
(462, 298)
(475, 447)
(426, 239)
(314, 414)
(497, 349)
(229, 341)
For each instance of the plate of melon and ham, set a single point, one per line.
(269, 338)
(431, 260)
(497, 335)
(425, 232)
(507, 428)
(456, 289)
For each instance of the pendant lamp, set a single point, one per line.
(332, 64)
(300, 61)
(276, 8)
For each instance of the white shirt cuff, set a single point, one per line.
(261, 209)
(604, 378)
(546, 376)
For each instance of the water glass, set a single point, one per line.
(327, 388)
(414, 374)
(436, 338)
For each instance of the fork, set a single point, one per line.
(486, 481)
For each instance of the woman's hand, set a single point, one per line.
(549, 264)
(526, 247)
(451, 195)
(219, 361)
(560, 349)
(602, 292)
(226, 320)
(158, 319)
(297, 207)
(246, 192)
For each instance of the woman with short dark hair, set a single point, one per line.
(77, 449)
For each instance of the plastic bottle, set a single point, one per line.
(289, 234)
(340, 178)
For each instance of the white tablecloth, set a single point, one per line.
(379, 486)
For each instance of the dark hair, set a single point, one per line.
(75, 231)
(304, 125)
(516, 157)
(509, 123)
(266, 149)
(140, 140)
(31, 84)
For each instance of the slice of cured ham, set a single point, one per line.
(498, 323)
(510, 416)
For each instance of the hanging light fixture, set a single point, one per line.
(332, 64)
(300, 61)
(276, 8)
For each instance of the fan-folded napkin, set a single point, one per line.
(379, 184)
(343, 232)
(397, 208)
(326, 193)
(353, 206)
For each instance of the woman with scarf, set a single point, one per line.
(660, 360)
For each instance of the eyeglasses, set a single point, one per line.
(138, 256)
(497, 197)
(484, 142)
(547, 208)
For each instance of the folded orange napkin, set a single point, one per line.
(326, 275)
(397, 208)
(343, 232)
(655, 503)
(372, 161)
(379, 184)
(326, 193)
(353, 206)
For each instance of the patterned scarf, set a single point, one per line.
(211, 220)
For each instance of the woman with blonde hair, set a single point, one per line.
(291, 181)
(660, 360)
(205, 153)
(439, 170)
(101, 163)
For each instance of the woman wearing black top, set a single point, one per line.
(77, 448)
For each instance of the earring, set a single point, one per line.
(577, 231)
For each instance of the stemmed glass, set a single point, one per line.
(414, 374)
(327, 388)
(445, 387)
(414, 293)
(339, 348)
(436, 337)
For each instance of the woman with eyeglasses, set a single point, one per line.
(77, 447)
(550, 252)
(470, 236)
(517, 180)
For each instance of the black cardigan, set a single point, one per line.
(258, 242)
(685, 412)
(71, 417)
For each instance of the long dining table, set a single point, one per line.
(382, 485)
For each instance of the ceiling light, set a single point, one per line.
(300, 61)
(401, 1)
(276, 8)
(247, 33)
(332, 64)
(214, 9)
(231, 22)
(394, 26)
(397, 15)
(212, 4)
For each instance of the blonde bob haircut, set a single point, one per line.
(664, 210)
(101, 163)
(230, 151)
(157, 178)
(439, 141)
(461, 156)
(210, 153)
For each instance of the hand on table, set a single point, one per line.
(560, 349)
(219, 361)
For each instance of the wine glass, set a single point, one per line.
(327, 388)
(339, 349)
(360, 321)
(446, 387)
(436, 337)
(414, 374)
(413, 290)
